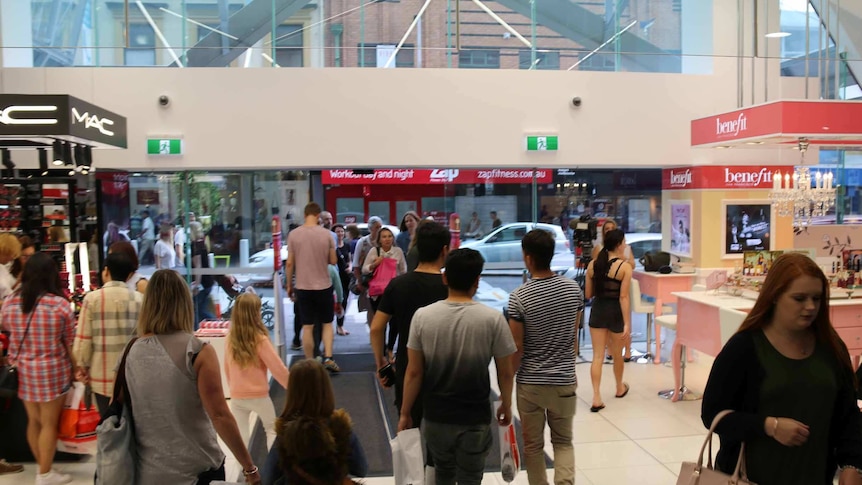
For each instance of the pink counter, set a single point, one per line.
(662, 287)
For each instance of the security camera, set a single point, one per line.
(576, 101)
(164, 101)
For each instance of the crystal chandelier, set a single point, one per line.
(793, 195)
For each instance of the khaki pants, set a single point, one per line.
(557, 404)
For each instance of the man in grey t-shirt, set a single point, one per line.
(450, 346)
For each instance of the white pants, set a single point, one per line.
(263, 408)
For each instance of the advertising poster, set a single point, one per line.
(680, 219)
(747, 227)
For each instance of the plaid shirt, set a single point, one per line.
(105, 325)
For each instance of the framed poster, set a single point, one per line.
(747, 227)
(680, 232)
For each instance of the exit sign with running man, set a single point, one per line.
(540, 143)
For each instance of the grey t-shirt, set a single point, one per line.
(458, 341)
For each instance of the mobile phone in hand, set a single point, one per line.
(387, 373)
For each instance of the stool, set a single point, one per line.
(669, 322)
(639, 305)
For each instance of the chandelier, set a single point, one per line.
(793, 195)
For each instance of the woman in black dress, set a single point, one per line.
(787, 376)
(608, 279)
(342, 250)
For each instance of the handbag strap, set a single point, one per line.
(121, 390)
(740, 470)
(27, 330)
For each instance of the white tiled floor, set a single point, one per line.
(640, 438)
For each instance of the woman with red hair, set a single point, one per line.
(787, 377)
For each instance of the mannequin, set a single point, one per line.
(454, 231)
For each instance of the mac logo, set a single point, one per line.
(92, 121)
(8, 116)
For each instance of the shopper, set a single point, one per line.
(474, 227)
(310, 251)
(202, 283)
(249, 354)
(787, 376)
(147, 238)
(495, 221)
(360, 252)
(41, 326)
(457, 413)
(28, 249)
(167, 365)
(610, 225)
(404, 295)
(543, 316)
(164, 252)
(106, 323)
(384, 250)
(608, 279)
(10, 250)
(353, 236)
(137, 281)
(408, 230)
(180, 241)
(342, 250)
(315, 443)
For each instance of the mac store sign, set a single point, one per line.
(42, 118)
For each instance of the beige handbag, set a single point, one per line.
(697, 474)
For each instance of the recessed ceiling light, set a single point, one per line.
(754, 143)
(777, 35)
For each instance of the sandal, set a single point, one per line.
(595, 409)
(341, 331)
(620, 396)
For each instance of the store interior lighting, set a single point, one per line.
(43, 161)
(58, 153)
(8, 166)
(793, 194)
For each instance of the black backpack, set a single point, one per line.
(654, 260)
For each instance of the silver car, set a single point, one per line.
(501, 247)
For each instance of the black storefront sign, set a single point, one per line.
(60, 116)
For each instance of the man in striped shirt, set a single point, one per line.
(543, 318)
(106, 323)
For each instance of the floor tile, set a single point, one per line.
(611, 454)
(642, 475)
(672, 450)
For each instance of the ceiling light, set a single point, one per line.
(58, 153)
(43, 161)
(67, 154)
(79, 155)
(754, 143)
(777, 35)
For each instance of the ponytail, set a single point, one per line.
(600, 270)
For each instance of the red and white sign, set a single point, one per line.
(438, 176)
(822, 122)
(712, 177)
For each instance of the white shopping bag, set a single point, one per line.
(510, 457)
(407, 461)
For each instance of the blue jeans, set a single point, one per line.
(459, 451)
(202, 304)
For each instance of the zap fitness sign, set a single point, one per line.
(437, 176)
(711, 177)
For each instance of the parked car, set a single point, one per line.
(501, 247)
(261, 260)
(641, 242)
(363, 228)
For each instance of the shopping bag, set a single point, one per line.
(383, 274)
(407, 462)
(510, 457)
(79, 433)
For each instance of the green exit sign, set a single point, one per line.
(164, 146)
(548, 143)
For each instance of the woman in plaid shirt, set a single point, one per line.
(43, 355)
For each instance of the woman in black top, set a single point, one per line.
(608, 279)
(787, 376)
(343, 252)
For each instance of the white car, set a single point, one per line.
(261, 261)
(501, 247)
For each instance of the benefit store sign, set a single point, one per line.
(713, 177)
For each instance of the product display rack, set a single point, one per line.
(40, 209)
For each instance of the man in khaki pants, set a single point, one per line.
(543, 319)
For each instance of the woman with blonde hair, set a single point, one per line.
(177, 400)
(10, 249)
(248, 355)
(316, 444)
(787, 378)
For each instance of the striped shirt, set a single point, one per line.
(548, 309)
(106, 323)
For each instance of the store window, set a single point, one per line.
(545, 60)
(376, 55)
(142, 46)
(479, 59)
(289, 45)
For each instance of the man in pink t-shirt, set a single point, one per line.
(310, 251)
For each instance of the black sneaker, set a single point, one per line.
(296, 346)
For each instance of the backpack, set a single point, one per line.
(654, 260)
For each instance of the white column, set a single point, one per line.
(16, 33)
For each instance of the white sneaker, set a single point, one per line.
(53, 478)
